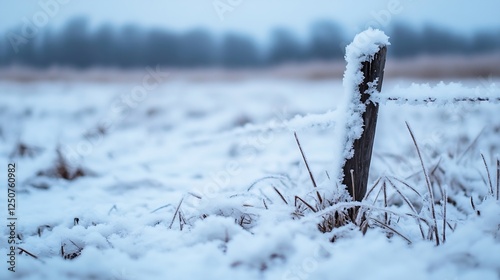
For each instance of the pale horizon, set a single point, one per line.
(257, 18)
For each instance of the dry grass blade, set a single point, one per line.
(378, 194)
(280, 178)
(159, 208)
(404, 197)
(488, 172)
(80, 248)
(111, 209)
(372, 188)
(386, 216)
(353, 189)
(428, 182)
(408, 186)
(305, 203)
(445, 199)
(472, 144)
(308, 169)
(195, 195)
(451, 227)
(438, 181)
(21, 250)
(407, 201)
(436, 166)
(279, 193)
(474, 206)
(392, 229)
(175, 214)
(41, 229)
(498, 179)
(182, 221)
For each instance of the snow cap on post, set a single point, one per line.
(365, 45)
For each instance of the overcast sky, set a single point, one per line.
(258, 17)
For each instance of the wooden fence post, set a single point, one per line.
(356, 169)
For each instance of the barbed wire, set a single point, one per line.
(437, 100)
(297, 123)
(329, 119)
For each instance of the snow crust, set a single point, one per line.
(126, 207)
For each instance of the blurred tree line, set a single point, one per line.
(76, 45)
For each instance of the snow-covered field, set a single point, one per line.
(197, 180)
